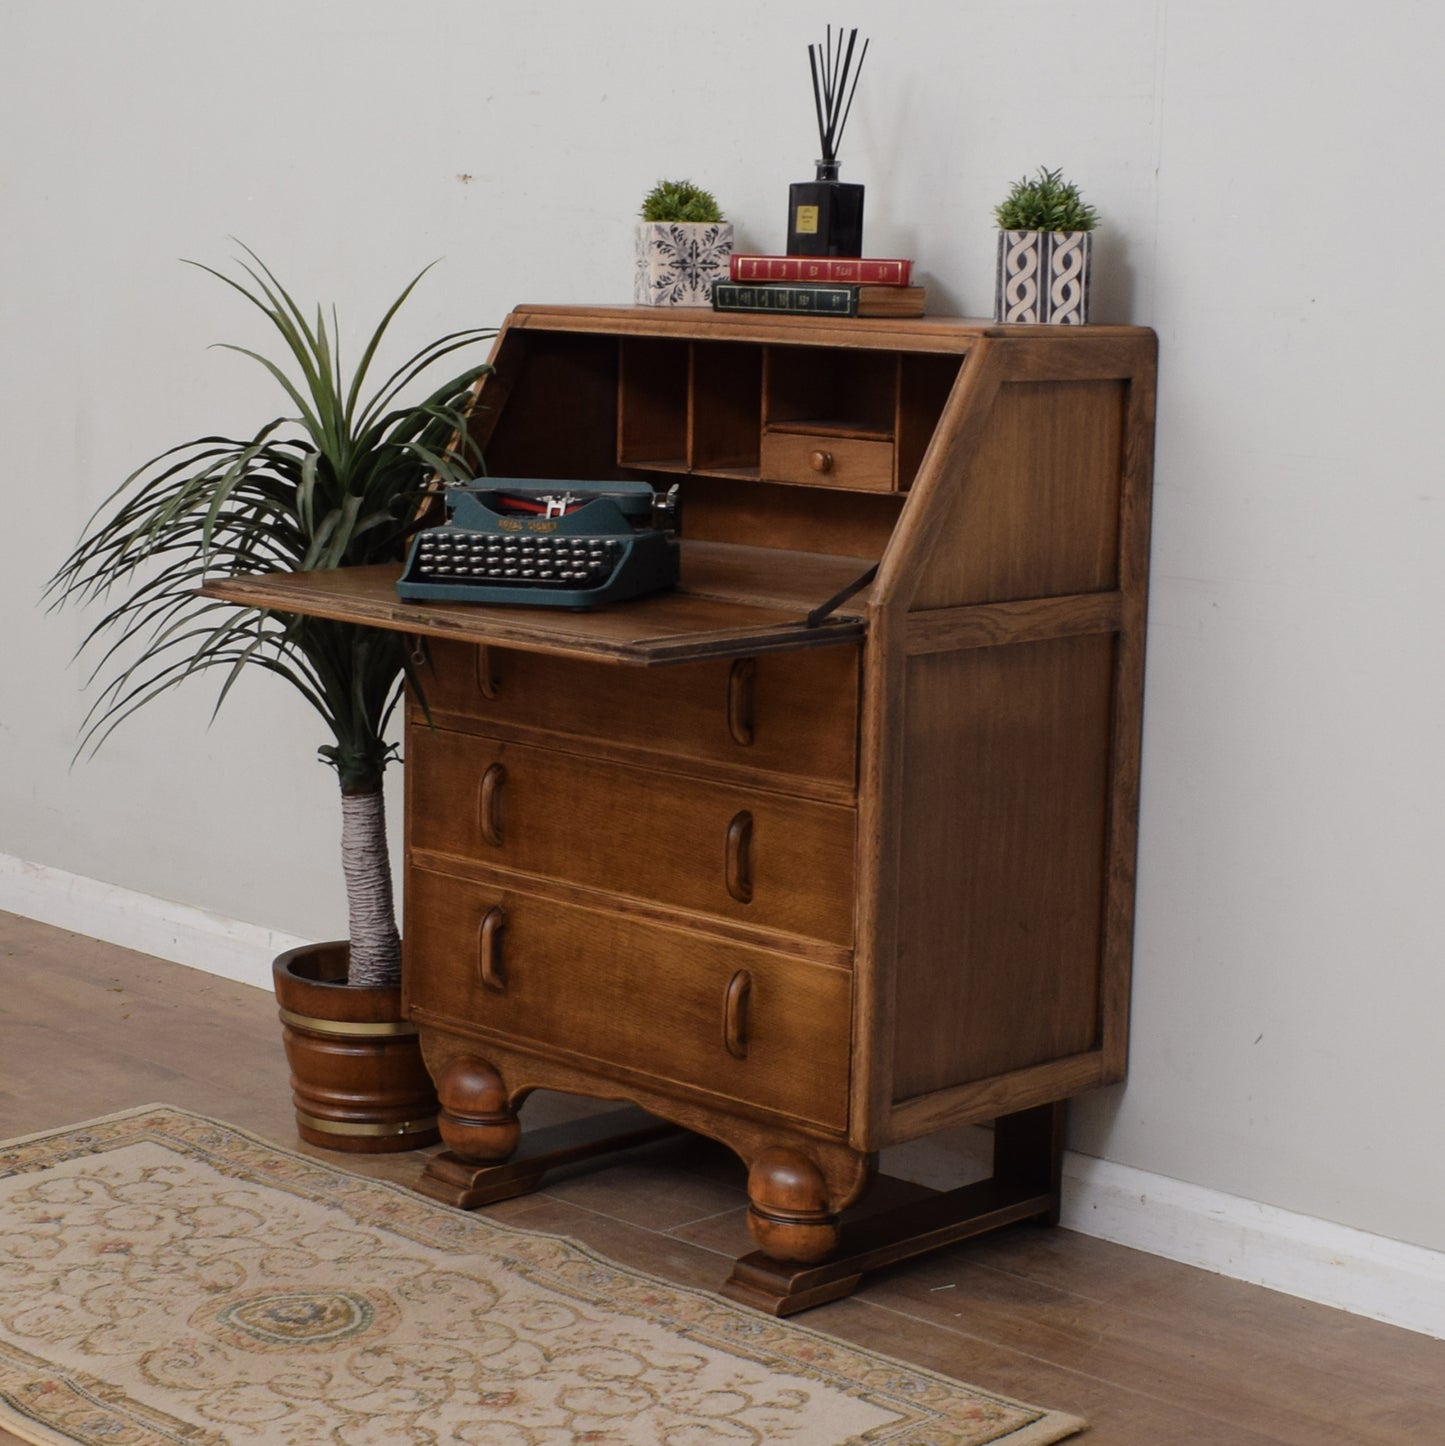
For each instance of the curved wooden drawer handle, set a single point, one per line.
(488, 684)
(735, 1014)
(821, 461)
(489, 809)
(739, 860)
(489, 949)
(741, 690)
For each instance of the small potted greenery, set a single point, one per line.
(683, 246)
(339, 484)
(1044, 251)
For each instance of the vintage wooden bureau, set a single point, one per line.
(810, 881)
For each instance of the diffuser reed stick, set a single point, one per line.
(831, 68)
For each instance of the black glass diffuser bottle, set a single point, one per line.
(825, 215)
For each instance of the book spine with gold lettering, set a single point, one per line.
(842, 300)
(817, 300)
(822, 270)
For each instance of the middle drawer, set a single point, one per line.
(714, 848)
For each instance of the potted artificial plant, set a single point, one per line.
(1044, 246)
(683, 246)
(340, 484)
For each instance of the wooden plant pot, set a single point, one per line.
(678, 261)
(357, 1076)
(1043, 276)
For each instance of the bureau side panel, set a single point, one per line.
(1036, 512)
(1002, 876)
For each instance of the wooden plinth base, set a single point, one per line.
(781, 1288)
(1028, 1150)
(1027, 1156)
(468, 1184)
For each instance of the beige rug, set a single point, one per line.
(166, 1279)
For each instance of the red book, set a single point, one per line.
(821, 270)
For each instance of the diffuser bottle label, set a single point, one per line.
(805, 221)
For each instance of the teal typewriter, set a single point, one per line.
(546, 544)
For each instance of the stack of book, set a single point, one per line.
(820, 285)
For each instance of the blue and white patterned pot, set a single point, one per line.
(678, 261)
(1043, 276)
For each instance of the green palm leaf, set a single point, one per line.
(339, 483)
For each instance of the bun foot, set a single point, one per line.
(476, 1120)
(789, 1218)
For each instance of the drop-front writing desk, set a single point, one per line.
(809, 889)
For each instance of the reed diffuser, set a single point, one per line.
(825, 215)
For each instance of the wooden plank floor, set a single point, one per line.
(1150, 1352)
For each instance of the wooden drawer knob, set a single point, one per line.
(738, 865)
(488, 685)
(735, 1014)
(489, 950)
(741, 693)
(489, 806)
(820, 461)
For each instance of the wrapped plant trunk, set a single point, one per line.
(371, 912)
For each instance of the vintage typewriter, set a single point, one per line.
(546, 544)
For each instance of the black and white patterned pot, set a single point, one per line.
(1043, 276)
(678, 261)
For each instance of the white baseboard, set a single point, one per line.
(1336, 1265)
(1368, 1275)
(167, 930)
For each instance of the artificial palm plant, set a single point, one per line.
(340, 484)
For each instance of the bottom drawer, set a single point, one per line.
(760, 1028)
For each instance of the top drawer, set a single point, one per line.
(791, 718)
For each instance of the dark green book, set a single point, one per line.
(832, 300)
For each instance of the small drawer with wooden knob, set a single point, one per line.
(825, 459)
(774, 861)
(599, 988)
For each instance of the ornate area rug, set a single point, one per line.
(166, 1279)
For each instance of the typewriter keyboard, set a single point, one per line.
(450, 554)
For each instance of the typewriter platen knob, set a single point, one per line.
(667, 510)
